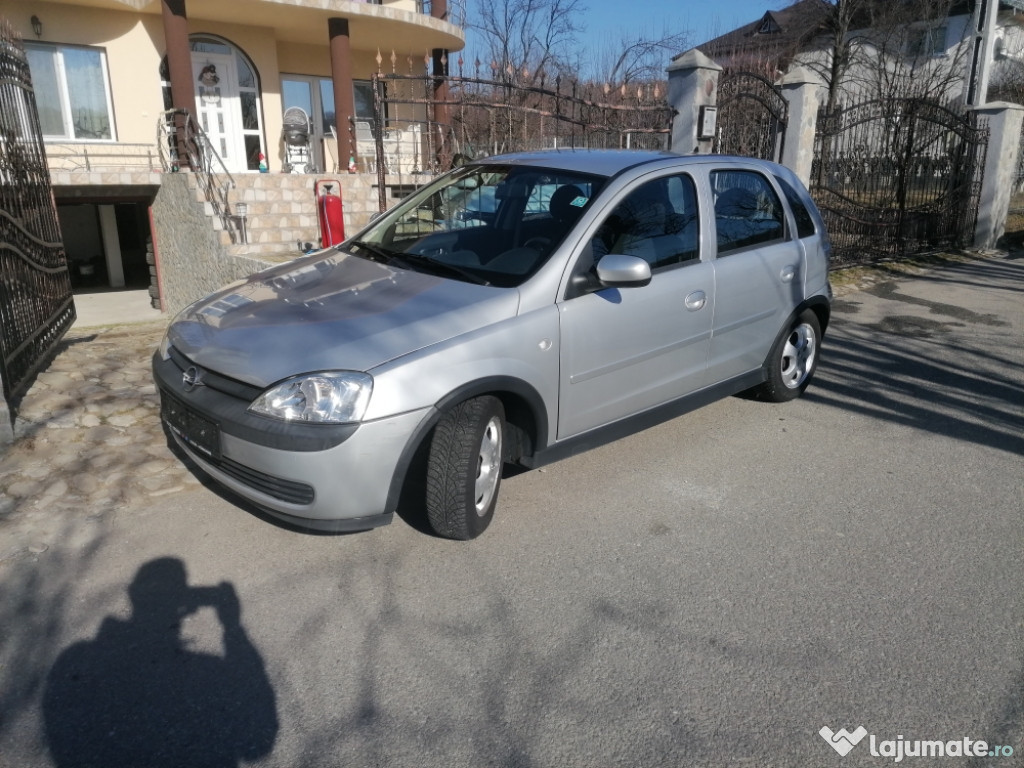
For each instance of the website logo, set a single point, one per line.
(842, 741)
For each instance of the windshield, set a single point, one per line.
(489, 224)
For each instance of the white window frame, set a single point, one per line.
(926, 41)
(56, 50)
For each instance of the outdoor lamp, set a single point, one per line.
(37, 26)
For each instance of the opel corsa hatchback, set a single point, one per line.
(518, 310)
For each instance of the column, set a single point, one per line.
(442, 112)
(111, 245)
(692, 84)
(1004, 122)
(800, 90)
(344, 97)
(179, 66)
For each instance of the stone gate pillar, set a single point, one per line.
(1004, 121)
(800, 89)
(692, 84)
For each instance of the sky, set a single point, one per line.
(607, 20)
(704, 19)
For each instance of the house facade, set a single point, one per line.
(917, 48)
(106, 71)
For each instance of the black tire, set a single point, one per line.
(792, 361)
(464, 468)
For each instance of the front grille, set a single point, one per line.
(283, 490)
(233, 387)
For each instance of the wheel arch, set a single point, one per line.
(820, 306)
(525, 416)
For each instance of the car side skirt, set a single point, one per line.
(650, 418)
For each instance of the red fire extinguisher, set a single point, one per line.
(330, 211)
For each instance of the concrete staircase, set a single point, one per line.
(282, 212)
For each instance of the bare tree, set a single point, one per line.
(884, 49)
(528, 39)
(636, 57)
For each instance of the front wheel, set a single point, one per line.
(792, 361)
(464, 468)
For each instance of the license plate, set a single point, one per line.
(199, 432)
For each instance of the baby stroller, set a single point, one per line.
(295, 134)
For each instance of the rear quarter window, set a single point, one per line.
(804, 220)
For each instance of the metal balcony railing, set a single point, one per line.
(78, 156)
(177, 132)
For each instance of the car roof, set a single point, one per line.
(610, 162)
(602, 162)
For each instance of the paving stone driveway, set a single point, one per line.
(88, 441)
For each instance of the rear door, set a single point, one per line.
(758, 271)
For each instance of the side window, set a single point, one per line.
(804, 221)
(657, 221)
(747, 210)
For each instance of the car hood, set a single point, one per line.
(330, 311)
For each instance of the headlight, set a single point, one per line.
(320, 398)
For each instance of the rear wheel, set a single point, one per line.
(464, 468)
(792, 361)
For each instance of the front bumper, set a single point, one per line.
(329, 478)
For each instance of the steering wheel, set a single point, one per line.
(537, 243)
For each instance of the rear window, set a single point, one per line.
(747, 210)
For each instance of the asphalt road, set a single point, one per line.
(711, 592)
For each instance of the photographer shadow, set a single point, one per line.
(136, 695)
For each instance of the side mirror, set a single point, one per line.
(617, 270)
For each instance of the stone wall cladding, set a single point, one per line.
(197, 257)
(192, 261)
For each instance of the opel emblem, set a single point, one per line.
(191, 378)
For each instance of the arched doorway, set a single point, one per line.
(228, 103)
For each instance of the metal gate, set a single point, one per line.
(426, 124)
(752, 117)
(36, 306)
(898, 176)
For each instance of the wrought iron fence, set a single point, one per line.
(36, 305)
(752, 117)
(898, 176)
(424, 124)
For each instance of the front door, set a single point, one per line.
(627, 350)
(219, 107)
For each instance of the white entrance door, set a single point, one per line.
(219, 108)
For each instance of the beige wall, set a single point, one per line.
(134, 45)
(296, 59)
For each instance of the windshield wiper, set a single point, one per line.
(436, 265)
(375, 252)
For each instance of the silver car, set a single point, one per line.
(517, 310)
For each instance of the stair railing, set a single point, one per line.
(177, 133)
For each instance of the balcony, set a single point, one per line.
(403, 25)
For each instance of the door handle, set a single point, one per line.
(696, 300)
(788, 273)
